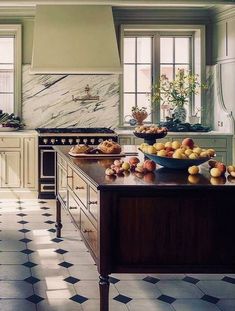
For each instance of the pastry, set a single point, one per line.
(80, 149)
(109, 147)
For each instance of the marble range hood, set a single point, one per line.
(74, 39)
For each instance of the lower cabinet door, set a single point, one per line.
(74, 210)
(89, 233)
(10, 169)
(29, 163)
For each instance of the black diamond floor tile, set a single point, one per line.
(52, 230)
(61, 251)
(210, 299)
(71, 280)
(49, 222)
(24, 230)
(25, 240)
(29, 264)
(229, 279)
(21, 214)
(56, 240)
(31, 280)
(47, 214)
(23, 222)
(167, 299)
(113, 280)
(191, 280)
(78, 298)
(122, 298)
(65, 264)
(27, 251)
(35, 299)
(151, 279)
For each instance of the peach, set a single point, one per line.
(133, 161)
(212, 163)
(193, 170)
(149, 165)
(203, 154)
(197, 150)
(143, 145)
(188, 152)
(170, 154)
(230, 168)
(193, 156)
(215, 172)
(188, 142)
(168, 144)
(176, 144)
(177, 155)
(149, 177)
(159, 146)
(211, 152)
(151, 150)
(221, 167)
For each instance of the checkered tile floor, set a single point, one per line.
(39, 272)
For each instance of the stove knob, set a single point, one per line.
(45, 140)
(53, 141)
(70, 141)
(100, 140)
(63, 140)
(92, 141)
(85, 140)
(77, 140)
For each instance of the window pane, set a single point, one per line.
(7, 103)
(6, 50)
(144, 78)
(6, 81)
(129, 78)
(143, 101)
(167, 70)
(166, 50)
(129, 102)
(182, 50)
(185, 67)
(144, 50)
(129, 50)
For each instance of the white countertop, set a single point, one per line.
(18, 133)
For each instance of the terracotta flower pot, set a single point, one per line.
(139, 116)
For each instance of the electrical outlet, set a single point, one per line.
(218, 123)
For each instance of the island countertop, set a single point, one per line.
(93, 168)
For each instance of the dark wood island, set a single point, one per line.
(162, 222)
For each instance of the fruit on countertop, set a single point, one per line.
(150, 129)
(178, 150)
(149, 165)
(215, 172)
(193, 170)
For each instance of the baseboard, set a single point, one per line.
(17, 194)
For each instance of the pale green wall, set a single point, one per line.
(27, 36)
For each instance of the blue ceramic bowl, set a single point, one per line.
(175, 163)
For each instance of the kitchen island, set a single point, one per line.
(161, 222)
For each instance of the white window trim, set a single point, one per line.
(199, 63)
(16, 31)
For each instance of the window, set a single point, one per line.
(146, 55)
(10, 68)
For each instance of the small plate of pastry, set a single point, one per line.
(106, 148)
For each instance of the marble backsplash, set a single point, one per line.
(47, 100)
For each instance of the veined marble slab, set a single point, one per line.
(47, 100)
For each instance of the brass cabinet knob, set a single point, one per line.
(92, 202)
(86, 231)
(73, 207)
(79, 188)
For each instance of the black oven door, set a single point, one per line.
(47, 163)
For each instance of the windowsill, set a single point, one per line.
(129, 131)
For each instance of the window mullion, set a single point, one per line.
(156, 73)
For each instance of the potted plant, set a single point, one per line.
(139, 114)
(177, 93)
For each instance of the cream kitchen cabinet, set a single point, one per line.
(18, 164)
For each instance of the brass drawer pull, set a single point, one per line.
(69, 176)
(92, 202)
(86, 231)
(73, 207)
(79, 188)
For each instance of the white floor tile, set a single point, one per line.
(138, 289)
(84, 272)
(16, 304)
(54, 289)
(148, 304)
(179, 289)
(194, 305)
(58, 305)
(15, 289)
(226, 304)
(93, 305)
(14, 272)
(219, 289)
(90, 289)
(12, 246)
(43, 272)
(78, 258)
(12, 258)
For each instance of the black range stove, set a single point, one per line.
(48, 137)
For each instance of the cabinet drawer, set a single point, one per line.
(74, 210)
(80, 188)
(70, 177)
(9, 142)
(93, 202)
(89, 232)
(61, 161)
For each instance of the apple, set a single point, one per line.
(162, 153)
(109, 172)
(215, 172)
(193, 170)
(211, 152)
(169, 149)
(170, 154)
(149, 165)
(152, 150)
(193, 156)
(117, 162)
(176, 144)
(168, 144)
(221, 167)
(230, 168)
(159, 146)
(177, 155)
(197, 150)
(203, 154)
(134, 161)
(143, 145)
(188, 152)
(149, 177)
(212, 163)
(188, 142)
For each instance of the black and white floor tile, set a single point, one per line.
(39, 272)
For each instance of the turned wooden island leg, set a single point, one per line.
(104, 292)
(58, 223)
